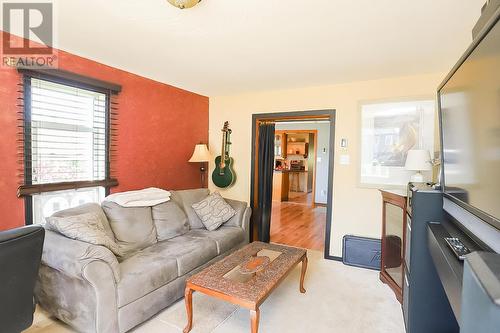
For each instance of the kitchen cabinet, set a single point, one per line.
(280, 145)
(297, 148)
(281, 185)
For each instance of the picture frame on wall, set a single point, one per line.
(389, 129)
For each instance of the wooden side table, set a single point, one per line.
(393, 240)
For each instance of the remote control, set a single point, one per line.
(457, 247)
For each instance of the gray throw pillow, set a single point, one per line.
(88, 208)
(213, 211)
(85, 227)
(133, 227)
(170, 221)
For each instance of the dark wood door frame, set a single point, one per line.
(328, 114)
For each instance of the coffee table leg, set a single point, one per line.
(188, 294)
(303, 274)
(254, 317)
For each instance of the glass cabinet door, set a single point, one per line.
(277, 145)
(393, 242)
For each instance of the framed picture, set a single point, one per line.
(388, 131)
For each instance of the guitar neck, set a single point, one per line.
(223, 152)
(228, 142)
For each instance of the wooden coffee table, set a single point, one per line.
(246, 277)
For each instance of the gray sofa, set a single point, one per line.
(89, 288)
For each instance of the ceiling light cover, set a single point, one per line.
(184, 3)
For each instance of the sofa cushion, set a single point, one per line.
(143, 273)
(225, 237)
(88, 208)
(170, 220)
(189, 252)
(133, 227)
(84, 227)
(185, 199)
(213, 211)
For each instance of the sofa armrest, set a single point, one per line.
(72, 256)
(242, 217)
(246, 223)
(77, 283)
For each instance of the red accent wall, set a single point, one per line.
(159, 126)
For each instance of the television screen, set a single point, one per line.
(470, 124)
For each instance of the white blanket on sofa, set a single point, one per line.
(141, 198)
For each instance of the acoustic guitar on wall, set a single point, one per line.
(223, 175)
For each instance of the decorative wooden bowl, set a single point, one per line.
(254, 264)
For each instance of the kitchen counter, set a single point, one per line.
(281, 185)
(289, 171)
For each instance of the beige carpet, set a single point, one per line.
(339, 299)
(208, 313)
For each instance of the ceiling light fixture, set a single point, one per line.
(184, 3)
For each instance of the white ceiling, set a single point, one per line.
(229, 46)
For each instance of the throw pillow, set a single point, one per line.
(170, 221)
(84, 227)
(213, 211)
(88, 208)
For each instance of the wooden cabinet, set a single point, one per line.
(281, 186)
(280, 144)
(297, 148)
(393, 240)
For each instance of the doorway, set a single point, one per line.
(301, 208)
(296, 218)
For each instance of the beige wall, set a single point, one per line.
(356, 210)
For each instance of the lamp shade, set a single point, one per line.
(200, 154)
(418, 160)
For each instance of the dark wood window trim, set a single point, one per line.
(72, 79)
(26, 190)
(75, 80)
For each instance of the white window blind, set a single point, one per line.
(68, 133)
(67, 144)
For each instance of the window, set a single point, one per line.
(388, 131)
(68, 133)
(66, 145)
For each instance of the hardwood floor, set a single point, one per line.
(297, 223)
(300, 198)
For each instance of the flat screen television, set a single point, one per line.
(469, 104)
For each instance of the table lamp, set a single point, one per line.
(418, 160)
(201, 155)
